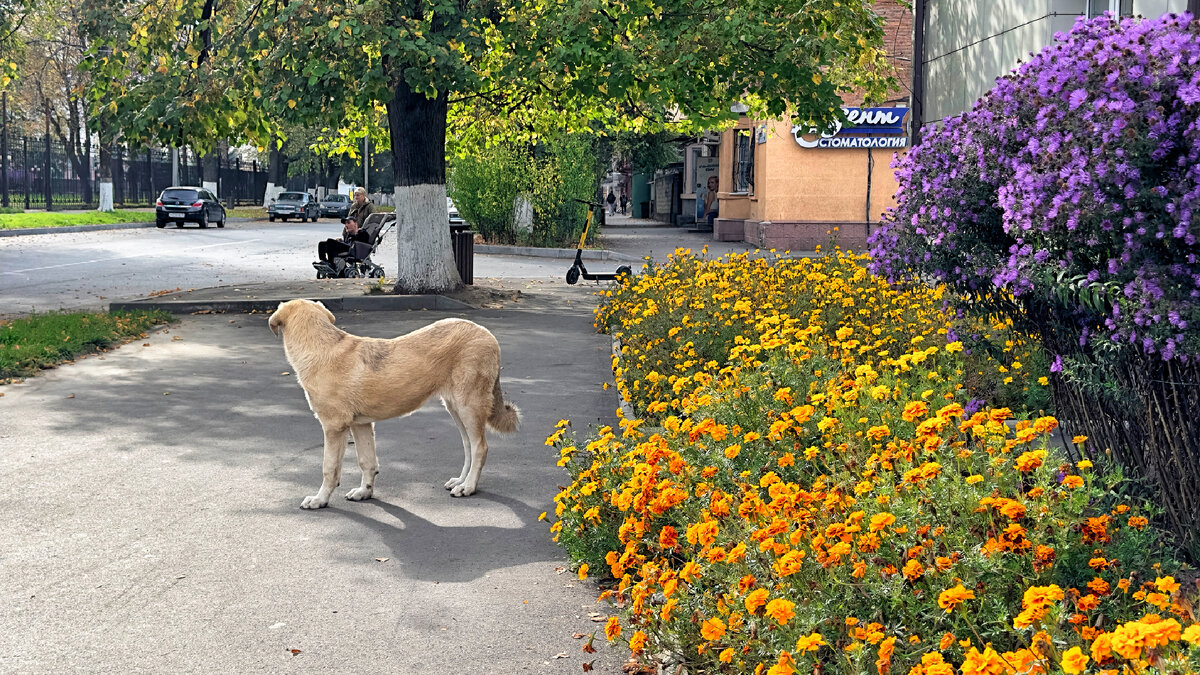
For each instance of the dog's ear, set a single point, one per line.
(326, 310)
(276, 320)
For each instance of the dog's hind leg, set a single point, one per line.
(331, 468)
(364, 446)
(466, 441)
(474, 418)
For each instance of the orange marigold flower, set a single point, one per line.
(951, 598)
(781, 610)
(1072, 482)
(726, 655)
(756, 599)
(913, 410)
(1102, 647)
(946, 641)
(1087, 603)
(1138, 522)
(638, 642)
(712, 629)
(1192, 633)
(913, 570)
(1098, 564)
(612, 629)
(986, 663)
(881, 520)
(1030, 461)
(1166, 585)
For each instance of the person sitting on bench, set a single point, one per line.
(330, 249)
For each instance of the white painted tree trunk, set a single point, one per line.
(425, 261)
(106, 197)
(271, 193)
(211, 186)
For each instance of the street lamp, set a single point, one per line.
(739, 108)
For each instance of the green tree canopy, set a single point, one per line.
(472, 70)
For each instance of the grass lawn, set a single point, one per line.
(14, 221)
(45, 340)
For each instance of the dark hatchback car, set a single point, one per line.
(293, 205)
(335, 206)
(184, 204)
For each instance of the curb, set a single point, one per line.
(361, 303)
(73, 228)
(92, 228)
(534, 252)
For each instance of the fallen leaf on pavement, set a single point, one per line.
(294, 651)
(562, 655)
(578, 636)
(382, 559)
(285, 373)
(71, 396)
(176, 338)
(145, 344)
(587, 667)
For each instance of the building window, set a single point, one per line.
(1118, 7)
(743, 161)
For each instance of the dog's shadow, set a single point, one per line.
(427, 551)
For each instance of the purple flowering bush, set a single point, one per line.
(1067, 202)
(1073, 186)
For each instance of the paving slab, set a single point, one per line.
(152, 519)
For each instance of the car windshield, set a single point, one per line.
(291, 197)
(181, 195)
(336, 198)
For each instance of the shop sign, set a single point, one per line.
(868, 128)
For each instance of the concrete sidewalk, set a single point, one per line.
(152, 519)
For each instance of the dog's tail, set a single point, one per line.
(506, 416)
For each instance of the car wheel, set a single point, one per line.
(203, 219)
(179, 223)
(160, 223)
(271, 218)
(283, 219)
(221, 222)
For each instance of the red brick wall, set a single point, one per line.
(897, 45)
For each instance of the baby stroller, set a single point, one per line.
(356, 263)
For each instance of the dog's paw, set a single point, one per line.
(314, 502)
(462, 490)
(359, 494)
(454, 482)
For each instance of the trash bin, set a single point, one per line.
(462, 242)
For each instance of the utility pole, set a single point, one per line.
(918, 70)
(46, 172)
(366, 162)
(174, 166)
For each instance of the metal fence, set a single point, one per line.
(40, 173)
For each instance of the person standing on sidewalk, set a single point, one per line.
(361, 208)
(612, 203)
(624, 203)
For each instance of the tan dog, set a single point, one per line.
(352, 382)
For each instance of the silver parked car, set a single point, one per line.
(294, 205)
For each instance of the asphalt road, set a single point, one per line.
(87, 270)
(152, 522)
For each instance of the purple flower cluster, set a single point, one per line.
(1083, 165)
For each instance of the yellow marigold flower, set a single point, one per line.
(987, 663)
(951, 598)
(1084, 464)
(780, 610)
(954, 347)
(1167, 585)
(712, 629)
(810, 642)
(973, 479)
(1074, 661)
(1102, 647)
(612, 629)
(1192, 633)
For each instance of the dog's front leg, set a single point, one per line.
(331, 468)
(364, 446)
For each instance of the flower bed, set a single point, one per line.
(818, 496)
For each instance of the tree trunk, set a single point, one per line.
(209, 166)
(418, 128)
(275, 174)
(104, 175)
